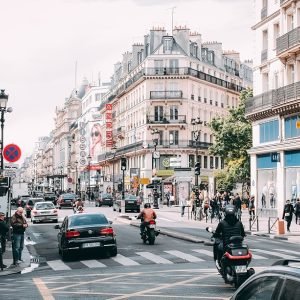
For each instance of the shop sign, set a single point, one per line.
(275, 157)
(164, 173)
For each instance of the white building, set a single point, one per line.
(275, 108)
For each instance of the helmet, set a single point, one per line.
(229, 210)
(147, 205)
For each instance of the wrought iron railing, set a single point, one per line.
(181, 119)
(166, 94)
(288, 40)
(273, 98)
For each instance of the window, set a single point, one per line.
(158, 113)
(269, 131)
(199, 160)
(173, 137)
(97, 97)
(205, 162)
(211, 162)
(291, 290)
(191, 161)
(173, 112)
(216, 162)
(167, 45)
(261, 288)
(290, 127)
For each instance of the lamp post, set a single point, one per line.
(76, 177)
(155, 154)
(4, 109)
(89, 158)
(61, 179)
(196, 123)
(114, 151)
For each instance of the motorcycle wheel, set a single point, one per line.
(151, 237)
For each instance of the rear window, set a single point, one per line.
(41, 206)
(86, 220)
(69, 196)
(33, 201)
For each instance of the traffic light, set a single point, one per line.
(123, 163)
(119, 187)
(197, 168)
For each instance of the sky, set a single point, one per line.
(41, 41)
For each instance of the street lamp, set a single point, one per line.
(76, 177)
(4, 109)
(89, 158)
(155, 154)
(61, 179)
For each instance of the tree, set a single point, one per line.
(233, 137)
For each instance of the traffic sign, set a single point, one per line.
(12, 153)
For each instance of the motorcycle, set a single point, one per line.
(234, 263)
(150, 233)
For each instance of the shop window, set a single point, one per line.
(269, 131)
(290, 127)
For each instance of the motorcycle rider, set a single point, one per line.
(227, 228)
(146, 215)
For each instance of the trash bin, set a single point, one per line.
(281, 227)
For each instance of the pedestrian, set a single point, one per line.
(251, 207)
(182, 200)
(192, 204)
(3, 231)
(288, 214)
(297, 211)
(19, 225)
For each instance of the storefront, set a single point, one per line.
(292, 175)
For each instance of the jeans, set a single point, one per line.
(182, 210)
(18, 245)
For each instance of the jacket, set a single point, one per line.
(288, 211)
(147, 214)
(3, 228)
(229, 227)
(17, 223)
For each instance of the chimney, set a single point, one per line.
(181, 36)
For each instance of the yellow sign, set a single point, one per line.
(144, 180)
(298, 124)
(164, 173)
(204, 179)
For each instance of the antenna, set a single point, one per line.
(172, 18)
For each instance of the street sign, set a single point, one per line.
(12, 153)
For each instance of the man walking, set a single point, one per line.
(3, 231)
(19, 225)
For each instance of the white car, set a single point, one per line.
(44, 211)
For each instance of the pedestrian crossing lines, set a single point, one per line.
(167, 257)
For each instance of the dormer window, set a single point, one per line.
(167, 44)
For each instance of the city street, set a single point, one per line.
(170, 267)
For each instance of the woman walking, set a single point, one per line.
(288, 214)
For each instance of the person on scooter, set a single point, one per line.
(146, 215)
(227, 228)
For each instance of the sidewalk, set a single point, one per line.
(171, 216)
(8, 260)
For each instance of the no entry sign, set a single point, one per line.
(12, 152)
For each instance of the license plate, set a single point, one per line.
(90, 245)
(241, 269)
(152, 226)
(130, 202)
(45, 212)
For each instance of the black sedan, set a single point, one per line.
(84, 231)
(132, 203)
(105, 199)
(279, 282)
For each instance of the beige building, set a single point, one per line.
(274, 109)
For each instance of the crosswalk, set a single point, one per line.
(167, 257)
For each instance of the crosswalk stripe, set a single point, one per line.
(125, 261)
(155, 258)
(281, 255)
(289, 251)
(205, 252)
(256, 256)
(185, 256)
(58, 265)
(92, 263)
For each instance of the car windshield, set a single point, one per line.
(87, 220)
(69, 196)
(50, 195)
(106, 196)
(41, 206)
(131, 197)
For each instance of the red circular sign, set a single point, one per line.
(70, 180)
(12, 152)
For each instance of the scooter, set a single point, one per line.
(233, 266)
(150, 233)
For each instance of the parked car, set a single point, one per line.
(30, 204)
(44, 211)
(132, 203)
(104, 199)
(278, 282)
(50, 196)
(66, 200)
(86, 231)
(22, 200)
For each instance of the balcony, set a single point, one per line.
(275, 101)
(179, 119)
(199, 145)
(285, 3)
(166, 94)
(264, 12)
(288, 43)
(264, 55)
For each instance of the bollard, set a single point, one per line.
(281, 227)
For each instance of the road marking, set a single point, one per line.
(93, 263)
(160, 218)
(155, 258)
(185, 256)
(288, 251)
(256, 256)
(205, 252)
(281, 255)
(58, 265)
(44, 291)
(125, 261)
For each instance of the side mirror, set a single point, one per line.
(57, 227)
(209, 229)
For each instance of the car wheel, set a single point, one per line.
(64, 254)
(114, 251)
(114, 209)
(59, 207)
(119, 210)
